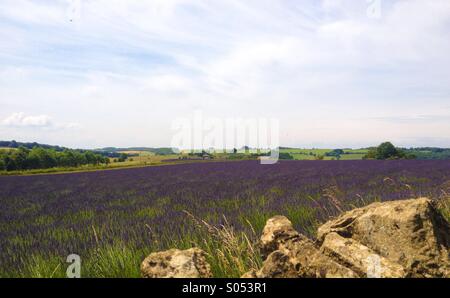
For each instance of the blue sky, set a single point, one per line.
(340, 73)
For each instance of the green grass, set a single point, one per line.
(149, 212)
(230, 254)
(352, 156)
(304, 217)
(311, 154)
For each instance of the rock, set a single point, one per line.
(190, 263)
(277, 231)
(359, 258)
(250, 274)
(411, 233)
(278, 265)
(290, 254)
(299, 257)
(309, 262)
(408, 238)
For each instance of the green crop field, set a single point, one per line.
(311, 154)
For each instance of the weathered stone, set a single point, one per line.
(412, 233)
(309, 262)
(295, 255)
(277, 231)
(250, 274)
(190, 263)
(359, 258)
(278, 265)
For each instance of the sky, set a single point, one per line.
(343, 73)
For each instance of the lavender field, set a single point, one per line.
(114, 218)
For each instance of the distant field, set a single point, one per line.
(143, 158)
(138, 158)
(311, 154)
(141, 153)
(352, 156)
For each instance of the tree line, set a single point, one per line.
(24, 158)
(388, 151)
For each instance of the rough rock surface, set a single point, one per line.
(408, 238)
(278, 230)
(411, 233)
(311, 263)
(190, 263)
(359, 258)
(290, 254)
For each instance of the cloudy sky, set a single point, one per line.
(337, 73)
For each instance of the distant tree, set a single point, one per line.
(283, 155)
(335, 153)
(9, 163)
(20, 157)
(67, 159)
(387, 150)
(339, 151)
(91, 158)
(234, 150)
(122, 157)
(43, 158)
(13, 144)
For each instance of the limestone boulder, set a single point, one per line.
(190, 263)
(289, 254)
(411, 233)
(277, 231)
(359, 258)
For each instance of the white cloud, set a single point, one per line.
(21, 120)
(33, 12)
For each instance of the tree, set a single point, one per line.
(42, 158)
(33, 159)
(335, 153)
(67, 159)
(9, 163)
(122, 157)
(284, 155)
(20, 157)
(386, 150)
(13, 144)
(91, 158)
